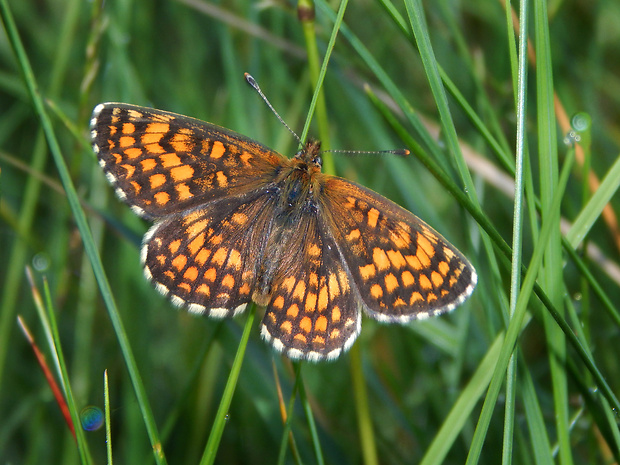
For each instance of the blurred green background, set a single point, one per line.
(424, 383)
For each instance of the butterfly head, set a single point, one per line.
(309, 158)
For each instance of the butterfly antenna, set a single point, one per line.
(400, 152)
(253, 83)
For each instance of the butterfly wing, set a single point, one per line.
(313, 313)
(401, 267)
(162, 163)
(207, 258)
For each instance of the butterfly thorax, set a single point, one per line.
(299, 182)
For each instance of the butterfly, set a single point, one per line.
(235, 222)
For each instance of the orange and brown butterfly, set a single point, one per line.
(237, 222)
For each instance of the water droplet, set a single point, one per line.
(571, 138)
(581, 122)
(91, 418)
(41, 262)
(227, 417)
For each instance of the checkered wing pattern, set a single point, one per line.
(313, 312)
(162, 163)
(402, 268)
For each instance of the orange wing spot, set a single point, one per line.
(245, 289)
(292, 311)
(334, 334)
(181, 146)
(314, 250)
(444, 292)
(431, 298)
(414, 262)
(196, 244)
(179, 262)
(168, 160)
(323, 299)
(234, 259)
(334, 287)
(373, 216)
(218, 150)
(154, 148)
(112, 130)
(157, 127)
(415, 297)
(186, 287)
(130, 170)
(136, 186)
(194, 228)
(335, 314)
(343, 279)
(272, 317)
(127, 141)
(228, 281)
(173, 247)
(353, 235)
(444, 268)
(313, 280)
(222, 180)
(321, 324)
(310, 302)
(220, 255)
(380, 259)
(278, 302)
(239, 218)
(129, 128)
(399, 302)
(162, 198)
(161, 259)
(288, 283)
(287, 327)
(391, 283)
(400, 239)
(157, 180)
(214, 240)
(430, 235)
(306, 324)
(187, 131)
(147, 164)
(397, 259)
(425, 283)
(423, 257)
(300, 291)
(349, 322)
(204, 290)
(301, 338)
(170, 275)
(181, 173)
(458, 272)
(407, 279)
(133, 152)
(376, 291)
(246, 157)
(210, 274)
(191, 273)
(319, 340)
(453, 281)
(201, 256)
(134, 114)
(437, 279)
(118, 158)
(448, 253)
(367, 272)
(183, 191)
(426, 245)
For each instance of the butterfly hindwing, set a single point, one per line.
(313, 312)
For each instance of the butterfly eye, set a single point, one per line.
(318, 161)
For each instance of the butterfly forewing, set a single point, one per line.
(403, 269)
(161, 162)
